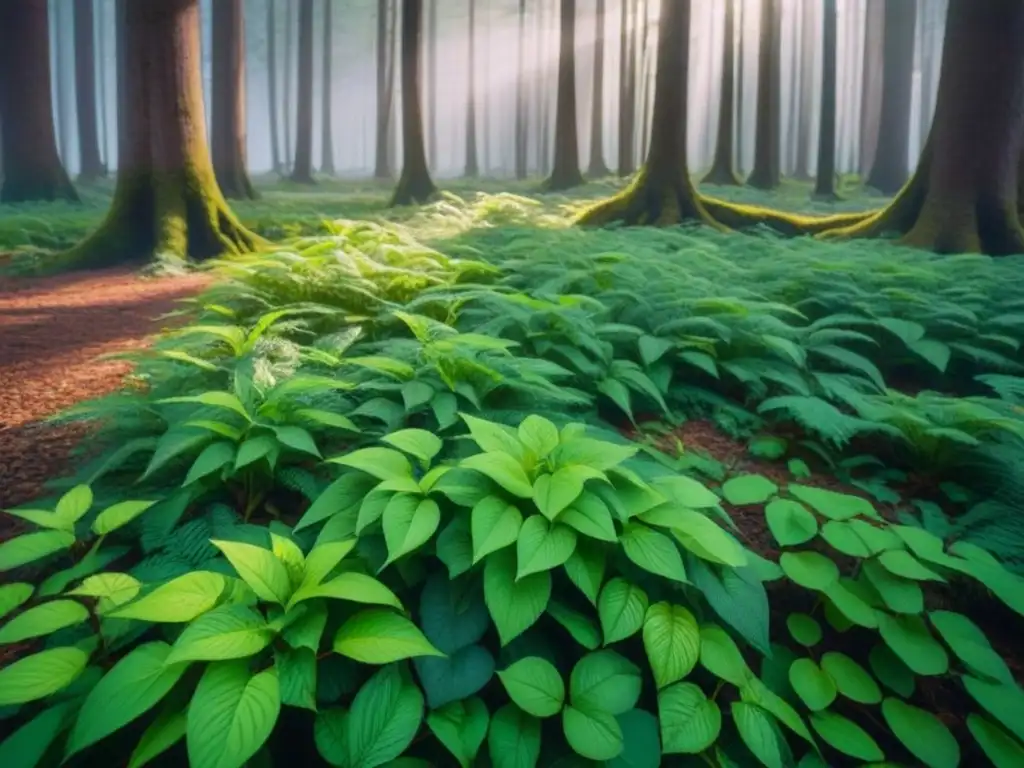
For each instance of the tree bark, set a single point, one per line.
(91, 166)
(385, 82)
(272, 111)
(521, 116)
(415, 184)
(60, 80)
(472, 165)
(302, 168)
(121, 73)
(723, 170)
(565, 171)
(871, 91)
(645, 83)
(227, 118)
(167, 201)
(627, 92)
(101, 47)
(825, 185)
(889, 170)
(32, 167)
(289, 33)
(804, 122)
(766, 174)
(431, 110)
(327, 85)
(597, 167)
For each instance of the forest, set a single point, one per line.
(511, 383)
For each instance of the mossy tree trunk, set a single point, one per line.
(227, 118)
(272, 111)
(597, 167)
(627, 91)
(767, 174)
(32, 166)
(302, 169)
(472, 164)
(327, 90)
(889, 169)
(565, 170)
(825, 184)
(91, 166)
(167, 200)
(723, 170)
(415, 184)
(521, 116)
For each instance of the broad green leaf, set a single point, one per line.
(592, 733)
(306, 631)
(588, 452)
(254, 449)
(450, 615)
(790, 522)
(162, 734)
(28, 745)
(118, 516)
(296, 673)
(42, 620)
(922, 734)
(351, 586)
(345, 493)
(416, 394)
(40, 674)
(514, 604)
(494, 524)
(462, 727)
(641, 746)
(761, 735)
(621, 608)
(228, 632)
(384, 719)
(754, 691)
(969, 643)
(583, 629)
(408, 524)
(231, 715)
(513, 739)
(585, 568)
(833, 505)
(704, 538)
(686, 492)
(654, 552)
(900, 595)
(330, 733)
(1003, 700)
(851, 679)
(846, 736)
(259, 568)
(30, 547)
(215, 399)
(539, 435)
(542, 546)
(416, 442)
(891, 671)
(739, 599)
(690, 722)
(290, 554)
(591, 517)
(379, 636)
(842, 537)
(1002, 749)
(455, 546)
(382, 463)
(73, 505)
(811, 570)
(720, 656)
(748, 489)
(372, 508)
(463, 673)
(811, 684)
(553, 493)
(901, 563)
(804, 629)
(503, 469)
(212, 459)
(535, 686)
(672, 642)
(13, 596)
(323, 559)
(605, 681)
(137, 682)
(494, 438)
(909, 638)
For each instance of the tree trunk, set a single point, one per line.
(871, 91)
(121, 73)
(472, 166)
(302, 169)
(327, 84)
(889, 170)
(85, 92)
(521, 116)
(60, 79)
(385, 79)
(167, 201)
(431, 111)
(289, 33)
(597, 167)
(825, 186)
(627, 93)
(415, 184)
(766, 174)
(101, 47)
(32, 167)
(272, 111)
(723, 170)
(227, 118)
(805, 118)
(565, 171)
(645, 89)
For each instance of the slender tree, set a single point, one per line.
(91, 166)
(565, 172)
(272, 109)
(521, 106)
(327, 84)
(302, 168)
(167, 201)
(61, 82)
(627, 90)
(890, 169)
(597, 167)
(32, 167)
(227, 107)
(805, 99)
(766, 173)
(472, 165)
(723, 169)
(101, 47)
(825, 185)
(871, 85)
(289, 34)
(385, 88)
(415, 184)
(431, 110)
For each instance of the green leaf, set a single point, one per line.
(739, 598)
(814, 687)
(539, 435)
(553, 493)
(720, 656)
(653, 551)
(259, 568)
(408, 523)
(118, 516)
(583, 629)
(833, 505)
(416, 442)
(463, 673)
(761, 735)
(382, 463)
(455, 546)
(27, 746)
(909, 638)
(13, 596)
(893, 673)
(462, 727)
(748, 489)
(704, 538)
(588, 452)
(690, 722)
(494, 438)
(513, 739)
(901, 563)
(26, 549)
(494, 524)
(213, 458)
(842, 537)
(585, 568)
(811, 570)
(672, 642)
(296, 671)
(542, 546)
(384, 719)
(42, 620)
(621, 608)
(604, 681)
(514, 604)
(1004, 701)
(592, 733)
(137, 682)
(502, 469)
(162, 734)
(804, 629)
(591, 517)
(72, 506)
(254, 449)
(923, 734)
(686, 492)
(932, 351)
(790, 522)
(344, 494)
(40, 674)
(851, 679)
(228, 632)
(535, 686)
(846, 736)
(641, 746)
(1002, 749)
(296, 438)
(900, 595)
(767, 447)
(351, 586)
(378, 636)
(753, 691)
(231, 715)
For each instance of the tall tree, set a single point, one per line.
(521, 116)
(327, 85)
(767, 173)
(723, 169)
(890, 169)
(805, 99)
(565, 171)
(627, 89)
(597, 167)
(289, 34)
(385, 88)
(825, 185)
(32, 167)
(227, 107)
(272, 111)
(101, 47)
(302, 169)
(431, 111)
(871, 85)
(415, 184)
(167, 201)
(60, 80)
(91, 166)
(472, 165)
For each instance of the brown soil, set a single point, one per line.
(52, 330)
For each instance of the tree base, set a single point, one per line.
(413, 189)
(598, 171)
(28, 187)
(560, 181)
(722, 176)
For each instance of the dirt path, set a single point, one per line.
(51, 332)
